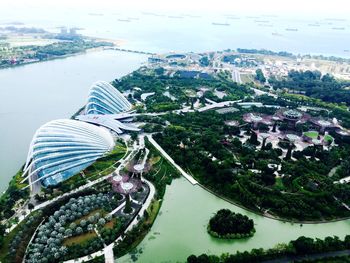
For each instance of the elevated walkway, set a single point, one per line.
(166, 156)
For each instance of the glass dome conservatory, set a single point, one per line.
(105, 99)
(62, 148)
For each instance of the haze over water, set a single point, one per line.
(163, 26)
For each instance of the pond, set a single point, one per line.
(180, 228)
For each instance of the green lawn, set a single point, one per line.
(103, 166)
(81, 239)
(328, 138)
(311, 134)
(279, 184)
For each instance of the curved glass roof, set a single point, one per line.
(105, 99)
(62, 148)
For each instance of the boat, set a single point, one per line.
(261, 21)
(177, 17)
(292, 29)
(276, 34)
(220, 24)
(265, 25)
(95, 14)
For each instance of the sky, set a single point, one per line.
(331, 8)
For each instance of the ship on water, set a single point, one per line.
(291, 29)
(124, 20)
(277, 34)
(220, 24)
(177, 17)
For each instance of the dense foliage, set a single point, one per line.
(179, 87)
(260, 76)
(299, 247)
(227, 224)
(48, 243)
(39, 53)
(18, 239)
(13, 194)
(223, 164)
(313, 84)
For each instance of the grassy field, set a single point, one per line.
(311, 134)
(279, 184)
(81, 239)
(328, 138)
(103, 166)
(247, 78)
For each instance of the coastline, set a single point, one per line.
(284, 220)
(56, 57)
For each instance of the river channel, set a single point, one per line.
(180, 228)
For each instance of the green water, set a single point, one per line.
(180, 228)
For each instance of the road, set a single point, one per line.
(236, 77)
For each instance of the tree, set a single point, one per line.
(289, 152)
(253, 138)
(260, 76)
(133, 136)
(274, 127)
(303, 245)
(79, 230)
(30, 206)
(101, 221)
(68, 232)
(90, 227)
(127, 208)
(83, 223)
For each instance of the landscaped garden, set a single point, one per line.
(311, 134)
(72, 231)
(288, 182)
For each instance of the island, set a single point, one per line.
(21, 45)
(229, 225)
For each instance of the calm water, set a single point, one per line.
(33, 94)
(164, 32)
(180, 228)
